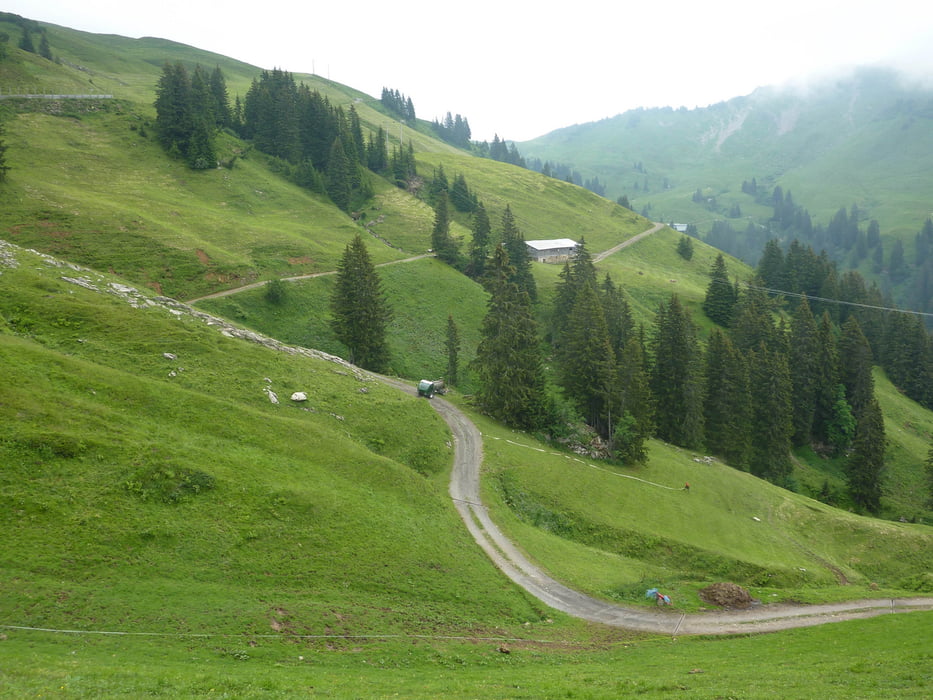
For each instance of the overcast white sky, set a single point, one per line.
(521, 72)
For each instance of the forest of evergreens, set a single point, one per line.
(789, 363)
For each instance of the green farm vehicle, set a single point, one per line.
(428, 389)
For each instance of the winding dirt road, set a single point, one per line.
(464, 490)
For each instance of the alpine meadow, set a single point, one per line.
(660, 453)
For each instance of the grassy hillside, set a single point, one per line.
(321, 551)
(192, 501)
(862, 140)
(152, 488)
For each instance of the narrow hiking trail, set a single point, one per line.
(256, 285)
(296, 278)
(625, 244)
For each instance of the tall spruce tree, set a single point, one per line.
(578, 272)
(720, 299)
(514, 243)
(508, 362)
(338, 176)
(359, 308)
(635, 405)
(479, 245)
(445, 247)
(841, 428)
(727, 401)
(752, 323)
(865, 468)
(803, 362)
(826, 376)
(588, 361)
(772, 408)
(855, 362)
(675, 376)
(618, 314)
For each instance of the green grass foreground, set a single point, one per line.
(885, 657)
(150, 487)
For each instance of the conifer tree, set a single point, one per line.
(855, 362)
(25, 42)
(220, 100)
(578, 272)
(720, 298)
(803, 362)
(675, 376)
(359, 308)
(685, 248)
(826, 374)
(841, 428)
(338, 176)
(727, 401)
(635, 405)
(771, 266)
(865, 468)
(514, 243)
(460, 195)
(444, 245)
(44, 49)
(752, 322)
(618, 315)
(479, 245)
(772, 408)
(508, 362)
(588, 362)
(173, 109)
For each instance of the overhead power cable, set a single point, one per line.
(801, 295)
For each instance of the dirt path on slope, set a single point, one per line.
(257, 285)
(296, 278)
(464, 491)
(625, 244)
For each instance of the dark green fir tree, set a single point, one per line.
(676, 382)
(588, 361)
(479, 245)
(508, 363)
(359, 308)
(865, 468)
(727, 401)
(720, 298)
(520, 260)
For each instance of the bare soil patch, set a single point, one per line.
(726, 595)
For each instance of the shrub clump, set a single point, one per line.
(168, 484)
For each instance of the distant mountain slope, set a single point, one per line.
(866, 139)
